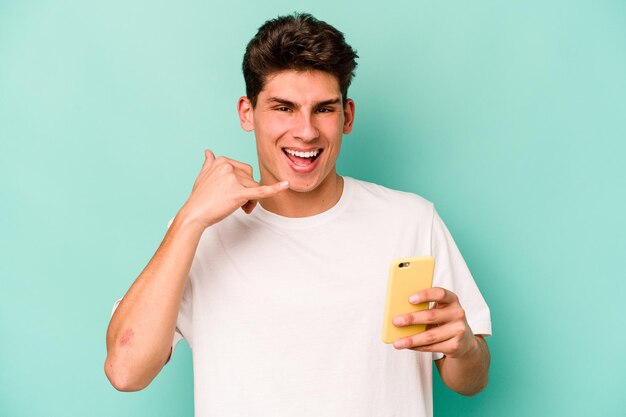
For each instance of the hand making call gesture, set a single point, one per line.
(222, 186)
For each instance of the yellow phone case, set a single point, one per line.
(406, 276)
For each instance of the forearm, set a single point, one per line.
(140, 333)
(468, 374)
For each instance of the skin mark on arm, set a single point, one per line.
(126, 338)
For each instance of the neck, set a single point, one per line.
(296, 204)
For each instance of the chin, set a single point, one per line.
(304, 184)
(302, 188)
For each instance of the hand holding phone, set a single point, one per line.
(406, 276)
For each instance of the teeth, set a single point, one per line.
(302, 154)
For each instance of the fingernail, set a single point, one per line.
(399, 344)
(414, 299)
(284, 184)
(398, 321)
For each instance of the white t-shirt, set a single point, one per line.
(284, 315)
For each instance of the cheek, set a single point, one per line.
(334, 128)
(274, 126)
(333, 133)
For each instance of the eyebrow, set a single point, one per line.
(290, 103)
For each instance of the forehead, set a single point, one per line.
(311, 85)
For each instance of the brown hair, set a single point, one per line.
(297, 42)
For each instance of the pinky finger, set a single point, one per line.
(265, 191)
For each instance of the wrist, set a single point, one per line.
(471, 350)
(475, 349)
(187, 221)
(475, 346)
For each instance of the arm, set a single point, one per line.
(141, 330)
(140, 333)
(468, 374)
(465, 365)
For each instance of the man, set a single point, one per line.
(282, 305)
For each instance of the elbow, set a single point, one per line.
(475, 389)
(473, 392)
(121, 379)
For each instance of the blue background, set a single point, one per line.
(510, 116)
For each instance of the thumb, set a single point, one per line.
(208, 156)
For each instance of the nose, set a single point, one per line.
(304, 128)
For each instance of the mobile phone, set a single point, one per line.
(406, 277)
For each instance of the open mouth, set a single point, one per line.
(302, 158)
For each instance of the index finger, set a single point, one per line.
(436, 294)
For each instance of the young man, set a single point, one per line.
(282, 302)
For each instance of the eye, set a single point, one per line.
(282, 108)
(324, 110)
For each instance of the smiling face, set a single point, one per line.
(298, 121)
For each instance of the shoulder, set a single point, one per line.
(378, 197)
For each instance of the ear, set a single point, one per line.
(348, 115)
(246, 116)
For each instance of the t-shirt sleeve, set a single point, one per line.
(452, 273)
